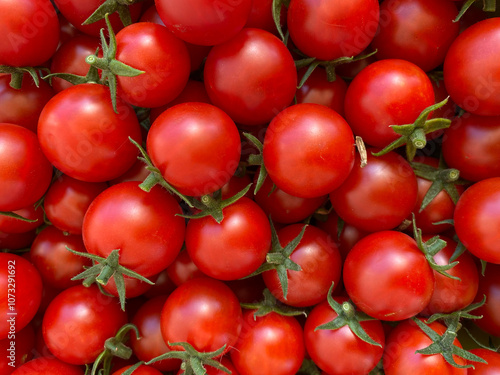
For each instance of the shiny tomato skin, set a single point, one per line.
(78, 322)
(196, 147)
(84, 138)
(203, 312)
(269, 345)
(151, 343)
(234, 248)
(162, 57)
(328, 30)
(470, 145)
(31, 37)
(183, 269)
(14, 225)
(419, 31)
(251, 77)
(387, 276)
(320, 262)
(48, 366)
(204, 22)
(68, 199)
(326, 145)
(141, 370)
(142, 225)
(477, 219)
(25, 172)
(489, 286)
(21, 293)
(340, 351)
(386, 92)
(379, 196)
(55, 263)
(400, 357)
(19, 353)
(24, 104)
(491, 368)
(471, 71)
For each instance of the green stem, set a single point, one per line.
(417, 138)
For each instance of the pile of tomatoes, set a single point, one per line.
(249, 187)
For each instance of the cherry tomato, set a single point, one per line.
(489, 286)
(493, 366)
(141, 370)
(387, 276)
(48, 366)
(17, 351)
(13, 225)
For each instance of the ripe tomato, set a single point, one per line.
(48, 366)
(379, 196)
(321, 265)
(141, 370)
(251, 77)
(269, 345)
(387, 276)
(13, 225)
(489, 286)
(419, 31)
(151, 48)
(17, 352)
(143, 226)
(493, 366)
(20, 294)
(196, 147)
(204, 313)
(25, 172)
(340, 351)
(84, 138)
(213, 371)
(386, 92)
(183, 269)
(31, 37)
(475, 50)
(234, 248)
(328, 30)
(400, 357)
(203, 21)
(477, 219)
(78, 322)
(326, 147)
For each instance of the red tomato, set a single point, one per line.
(141, 370)
(31, 37)
(419, 31)
(17, 241)
(16, 351)
(151, 343)
(340, 351)
(475, 50)
(386, 92)
(12, 225)
(196, 147)
(471, 146)
(251, 77)
(379, 196)
(400, 357)
(326, 147)
(20, 294)
(269, 345)
(204, 313)
(25, 172)
(387, 276)
(84, 138)
(489, 286)
(321, 265)
(328, 30)
(48, 366)
(68, 199)
(151, 48)
(493, 366)
(203, 21)
(55, 263)
(78, 322)
(143, 226)
(234, 248)
(183, 269)
(213, 371)
(477, 219)
(24, 104)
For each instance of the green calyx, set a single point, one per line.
(278, 259)
(105, 268)
(488, 6)
(271, 305)
(309, 368)
(109, 7)
(17, 74)
(257, 160)
(348, 316)
(277, 5)
(442, 179)
(193, 361)
(414, 135)
(17, 216)
(430, 248)
(443, 344)
(114, 347)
